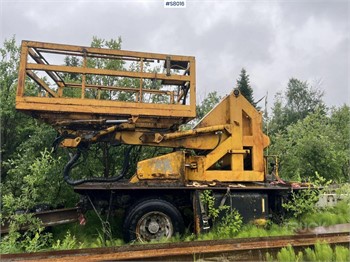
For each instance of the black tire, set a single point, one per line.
(152, 219)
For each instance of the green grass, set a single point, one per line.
(319, 252)
(339, 214)
(91, 235)
(247, 231)
(269, 231)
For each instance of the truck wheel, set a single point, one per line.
(152, 219)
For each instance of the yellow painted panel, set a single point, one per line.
(217, 153)
(169, 166)
(82, 49)
(94, 107)
(203, 142)
(219, 115)
(194, 166)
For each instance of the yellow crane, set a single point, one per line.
(223, 152)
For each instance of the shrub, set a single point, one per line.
(32, 240)
(304, 201)
(230, 224)
(209, 200)
(69, 242)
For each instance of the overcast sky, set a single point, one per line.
(272, 40)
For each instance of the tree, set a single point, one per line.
(302, 100)
(306, 138)
(207, 104)
(340, 119)
(72, 61)
(8, 79)
(24, 139)
(309, 146)
(27, 166)
(244, 87)
(101, 80)
(19, 132)
(298, 101)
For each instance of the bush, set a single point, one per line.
(32, 240)
(304, 201)
(230, 224)
(31, 183)
(209, 201)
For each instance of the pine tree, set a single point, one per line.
(244, 86)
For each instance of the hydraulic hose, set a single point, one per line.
(75, 158)
(59, 139)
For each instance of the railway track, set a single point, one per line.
(236, 249)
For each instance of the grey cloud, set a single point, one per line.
(224, 37)
(297, 12)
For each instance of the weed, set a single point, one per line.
(69, 242)
(209, 200)
(310, 254)
(37, 242)
(34, 239)
(339, 214)
(9, 243)
(323, 252)
(230, 224)
(341, 254)
(288, 254)
(269, 257)
(320, 252)
(100, 241)
(251, 230)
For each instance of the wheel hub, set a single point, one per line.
(154, 226)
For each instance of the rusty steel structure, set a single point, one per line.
(244, 249)
(48, 218)
(142, 99)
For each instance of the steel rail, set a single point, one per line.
(48, 218)
(184, 250)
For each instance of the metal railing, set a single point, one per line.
(67, 78)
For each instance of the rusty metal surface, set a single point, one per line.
(170, 166)
(149, 185)
(238, 247)
(51, 218)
